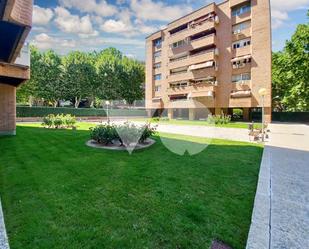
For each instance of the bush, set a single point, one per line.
(126, 133)
(59, 121)
(219, 119)
(26, 111)
(104, 134)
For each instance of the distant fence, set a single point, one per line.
(301, 117)
(26, 111)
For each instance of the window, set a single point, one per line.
(157, 43)
(157, 65)
(241, 43)
(241, 26)
(158, 88)
(241, 63)
(179, 44)
(179, 84)
(179, 29)
(157, 77)
(241, 9)
(241, 78)
(157, 54)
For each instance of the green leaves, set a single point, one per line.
(290, 73)
(107, 75)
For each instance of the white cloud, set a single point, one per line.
(124, 26)
(44, 41)
(69, 23)
(100, 7)
(41, 16)
(281, 8)
(150, 10)
(113, 26)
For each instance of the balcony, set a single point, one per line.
(192, 75)
(237, 2)
(242, 34)
(193, 59)
(203, 41)
(241, 18)
(23, 59)
(238, 52)
(242, 98)
(191, 31)
(198, 90)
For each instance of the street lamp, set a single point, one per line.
(107, 103)
(262, 93)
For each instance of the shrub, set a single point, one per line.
(126, 133)
(104, 134)
(218, 119)
(147, 132)
(59, 121)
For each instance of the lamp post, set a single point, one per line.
(107, 103)
(262, 93)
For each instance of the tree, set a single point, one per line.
(132, 79)
(28, 91)
(79, 76)
(290, 72)
(108, 67)
(50, 85)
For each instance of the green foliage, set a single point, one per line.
(107, 75)
(124, 133)
(59, 121)
(104, 134)
(26, 111)
(290, 73)
(219, 119)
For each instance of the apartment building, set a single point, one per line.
(15, 25)
(216, 59)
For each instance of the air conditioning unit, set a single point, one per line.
(217, 52)
(217, 21)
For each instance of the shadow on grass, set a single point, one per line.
(59, 193)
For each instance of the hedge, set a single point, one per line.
(26, 111)
(284, 116)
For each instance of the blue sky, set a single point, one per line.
(66, 25)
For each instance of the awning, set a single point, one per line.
(241, 58)
(201, 65)
(156, 99)
(241, 94)
(203, 94)
(208, 78)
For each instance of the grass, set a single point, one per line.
(58, 193)
(240, 125)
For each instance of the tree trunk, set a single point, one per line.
(30, 101)
(77, 101)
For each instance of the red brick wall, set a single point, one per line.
(7, 109)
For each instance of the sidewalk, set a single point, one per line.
(280, 217)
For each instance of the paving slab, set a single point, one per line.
(282, 197)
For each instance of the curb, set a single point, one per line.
(4, 243)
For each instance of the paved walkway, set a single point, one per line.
(280, 217)
(3, 237)
(235, 134)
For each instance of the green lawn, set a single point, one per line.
(241, 125)
(58, 193)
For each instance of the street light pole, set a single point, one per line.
(107, 111)
(262, 93)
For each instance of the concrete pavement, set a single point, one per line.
(3, 236)
(280, 217)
